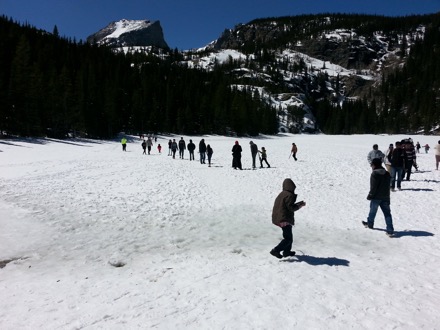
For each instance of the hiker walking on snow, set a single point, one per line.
(254, 152)
(169, 147)
(437, 154)
(236, 156)
(191, 147)
(283, 216)
(263, 157)
(397, 166)
(202, 151)
(182, 147)
(375, 153)
(387, 158)
(293, 151)
(209, 153)
(174, 148)
(379, 196)
(144, 146)
(124, 144)
(149, 144)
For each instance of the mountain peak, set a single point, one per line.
(127, 33)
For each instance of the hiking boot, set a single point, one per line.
(367, 225)
(276, 254)
(288, 254)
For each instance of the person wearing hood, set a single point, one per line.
(283, 216)
(379, 196)
(236, 156)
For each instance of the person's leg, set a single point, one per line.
(286, 243)
(374, 205)
(437, 161)
(393, 177)
(385, 207)
(409, 165)
(399, 177)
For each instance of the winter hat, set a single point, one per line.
(236, 142)
(376, 162)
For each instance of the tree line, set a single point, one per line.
(50, 85)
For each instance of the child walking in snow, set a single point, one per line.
(263, 157)
(283, 216)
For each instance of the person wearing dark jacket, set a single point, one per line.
(379, 196)
(236, 156)
(397, 166)
(191, 147)
(174, 148)
(182, 147)
(202, 151)
(254, 152)
(209, 152)
(283, 216)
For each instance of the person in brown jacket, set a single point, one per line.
(283, 216)
(293, 151)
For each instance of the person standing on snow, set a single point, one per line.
(263, 157)
(387, 158)
(209, 153)
(410, 159)
(202, 151)
(379, 196)
(124, 144)
(182, 147)
(170, 143)
(149, 144)
(437, 154)
(254, 152)
(375, 153)
(236, 156)
(174, 148)
(191, 147)
(397, 166)
(283, 216)
(144, 146)
(293, 151)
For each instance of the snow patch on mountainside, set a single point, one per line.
(124, 26)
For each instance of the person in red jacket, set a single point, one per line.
(283, 212)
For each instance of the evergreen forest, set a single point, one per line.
(54, 86)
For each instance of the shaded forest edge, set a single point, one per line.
(53, 86)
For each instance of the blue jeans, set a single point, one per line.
(385, 207)
(202, 157)
(399, 172)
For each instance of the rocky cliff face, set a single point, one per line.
(127, 33)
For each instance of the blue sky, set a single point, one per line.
(191, 23)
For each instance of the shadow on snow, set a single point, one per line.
(319, 261)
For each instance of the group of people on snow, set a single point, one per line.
(206, 151)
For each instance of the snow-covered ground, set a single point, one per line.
(97, 238)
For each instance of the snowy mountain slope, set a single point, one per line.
(126, 33)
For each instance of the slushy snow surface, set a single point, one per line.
(92, 237)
